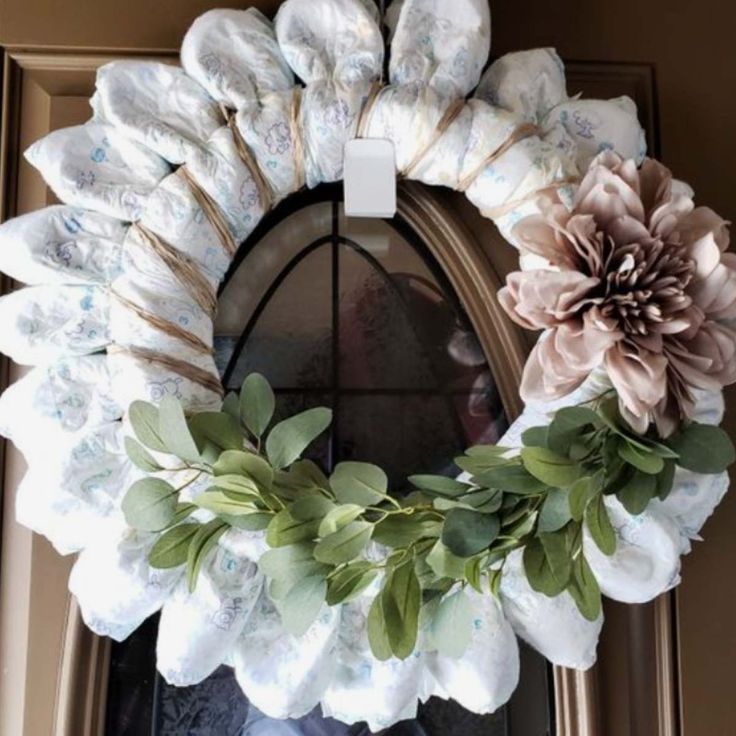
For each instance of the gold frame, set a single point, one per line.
(43, 90)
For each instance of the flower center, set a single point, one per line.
(643, 285)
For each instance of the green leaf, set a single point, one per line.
(303, 604)
(466, 532)
(140, 457)
(144, 420)
(549, 467)
(583, 446)
(638, 492)
(170, 549)
(495, 578)
(540, 573)
(487, 453)
(401, 599)
(401, 531)
(609, 414)
(452, 625)
(149, 504)
(222, 505)
(584, 589)
(183, 510)
(289, 438)
(439, 485)
(257, 404)
(255, 522)
(535, 437)
(201, 545)
(522, 527)
(345, 544)
(558, 549)
(218, 428)
(444, 564)
(359, 483)
(239, 485)
(291, 563)
(567, 424)
(238, 462)
(350, 582)
(599, 525)
(663, 451)
(310, 508)
(473, 571)
(555, 512)
(303, 475)
(703, 448)
(338, 517)
(284, 529)
(476, 465)
(377, 631)
(645, 461)
(666, 479)
(174, 431)
(485, 500)
(580, 492)
(514, 479)
(231, 406)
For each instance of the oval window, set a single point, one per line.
(356, 315)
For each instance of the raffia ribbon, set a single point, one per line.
(525, 130)
(164, 325)
(211, 211)
(447, 119)
(295, 132)
(265, 194)
(187, 370)
(367, 108)
(503, 209)
(183, 267)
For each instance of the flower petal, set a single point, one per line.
(639, 376)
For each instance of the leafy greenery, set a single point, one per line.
(440, 536)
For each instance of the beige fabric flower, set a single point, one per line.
(638, 281)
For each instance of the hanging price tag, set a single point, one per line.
(369, 178)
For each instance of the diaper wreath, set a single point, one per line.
(334, 589)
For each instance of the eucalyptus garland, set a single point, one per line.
(333, 538)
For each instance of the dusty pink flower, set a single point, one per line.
(638, 281)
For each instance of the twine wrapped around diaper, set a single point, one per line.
(265, 195)
(182, 367)
(164, 325)
(183, 267)
(525, 130)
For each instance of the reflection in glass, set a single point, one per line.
(357, 316)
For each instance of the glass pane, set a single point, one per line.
(357, 316)
(379, 343)
(281, 246)
(404, 434)
(291, 342)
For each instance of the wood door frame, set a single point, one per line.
(33, 81)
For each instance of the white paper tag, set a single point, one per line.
(369, 177)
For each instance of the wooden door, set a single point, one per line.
(665, 668)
